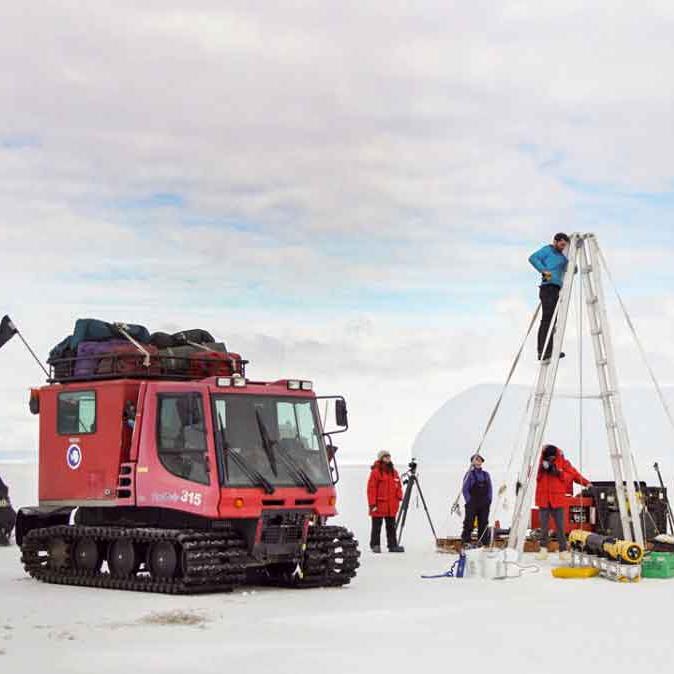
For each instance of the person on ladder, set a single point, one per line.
(477, 492)
(555, 473)
(384, 494)
(551, 262)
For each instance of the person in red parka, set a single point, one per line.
(555, 478)
(384, 494)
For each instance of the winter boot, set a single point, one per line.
(397, 548)
(565, 556)
(542, 554)
(375, 548)
(547, 358)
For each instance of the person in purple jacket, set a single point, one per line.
(477, 492)
(551, 263)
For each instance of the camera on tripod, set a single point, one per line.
(412, 465)
(410, 479)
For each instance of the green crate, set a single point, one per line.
(658, 565)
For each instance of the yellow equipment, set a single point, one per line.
(627, 552)
(575, 572)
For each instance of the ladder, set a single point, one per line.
(583, 257)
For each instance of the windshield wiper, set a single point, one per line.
(299, 471)
(253, 475)
(289, 462)
(267, 443)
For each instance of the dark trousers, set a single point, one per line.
(558, 516)
(375, 536)
(549, 295)
(481, 511)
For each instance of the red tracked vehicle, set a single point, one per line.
(159, 481)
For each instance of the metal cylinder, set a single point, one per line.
(628, 552)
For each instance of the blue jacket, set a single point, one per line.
(477, 483)
(550, 259)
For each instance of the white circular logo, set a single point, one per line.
(74, 457)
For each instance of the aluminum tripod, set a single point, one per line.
(410, 480)
(584, 256)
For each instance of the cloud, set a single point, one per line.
(349, 193)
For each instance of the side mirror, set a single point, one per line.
(34, 402)
(341, 414)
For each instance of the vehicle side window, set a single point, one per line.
(181, 436)
(76, 412)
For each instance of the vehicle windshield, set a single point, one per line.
(273, 436)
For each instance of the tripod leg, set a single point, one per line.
(428, 515)
(402, 513)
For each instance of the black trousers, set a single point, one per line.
(558, 516)
(375, 536)
(481, 511)
(549, 295)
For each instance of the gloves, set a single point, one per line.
(373, 508)
(546, 465)
(547, 275)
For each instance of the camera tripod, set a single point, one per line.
(410, 480)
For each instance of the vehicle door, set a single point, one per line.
(176, 456)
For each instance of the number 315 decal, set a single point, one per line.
(191, 497)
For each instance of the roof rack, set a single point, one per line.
(143, 366)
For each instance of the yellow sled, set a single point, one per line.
(575, 572)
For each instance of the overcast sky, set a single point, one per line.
(343, 191)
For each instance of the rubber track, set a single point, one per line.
(210, 561)
(330, 559)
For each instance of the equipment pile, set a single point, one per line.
(98, 349)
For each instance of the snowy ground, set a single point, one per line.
(388, 618)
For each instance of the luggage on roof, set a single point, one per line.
(196, 336)
(89, 355)
(98, 349)
(125, 359)
(94, 330)
(188, 360)
(162, 340)
(212, 363)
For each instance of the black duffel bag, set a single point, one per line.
(162, 340)
(196, 336)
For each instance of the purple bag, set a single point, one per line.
(89, 354)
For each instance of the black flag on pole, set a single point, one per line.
(7, 330)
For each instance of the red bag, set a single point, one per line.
(214, 364)
(126, 359)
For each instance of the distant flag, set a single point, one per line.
(7, 330)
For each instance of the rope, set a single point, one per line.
(510, 376)
(456, 509)
(533, 568)
(501, 495)
(451, 572)
(656, 384)
(642, 351)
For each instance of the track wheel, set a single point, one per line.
(58, 553)
(86, 555)
(162, 560)
(122, 559)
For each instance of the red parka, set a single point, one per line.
(384, 490)
(551, 489)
